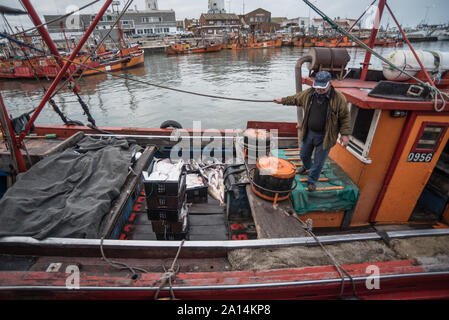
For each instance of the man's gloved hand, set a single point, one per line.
(344, 140)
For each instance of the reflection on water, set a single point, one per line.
(262, 74)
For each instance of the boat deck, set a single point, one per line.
(206, 221)
(37, 148)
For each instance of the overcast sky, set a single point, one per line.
(408, 12)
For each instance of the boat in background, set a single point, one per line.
(258, 43)
(187, 48)
(47, 67)
(398, 145)
(443, 36)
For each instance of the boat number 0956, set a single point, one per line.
(420, 157)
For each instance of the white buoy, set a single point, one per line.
(406, 61)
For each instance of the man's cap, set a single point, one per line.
(322, 79)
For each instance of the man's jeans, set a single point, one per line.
(312, 141)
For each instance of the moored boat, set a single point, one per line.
(399, 138)
(181, 48)
(45, 67)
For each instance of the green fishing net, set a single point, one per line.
(304, 201)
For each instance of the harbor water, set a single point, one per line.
(257, 74)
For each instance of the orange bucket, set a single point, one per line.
(273, 178)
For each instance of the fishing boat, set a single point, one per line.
(258, 43)
(186, 48)
(360, 235)
(236, 43)
(45, 67)
(114, 61)
(29, 65)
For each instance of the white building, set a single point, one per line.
(302, 22)
(151, 5)
(216, 6)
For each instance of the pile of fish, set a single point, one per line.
(165, 170)
(212, 171)
(195, 180)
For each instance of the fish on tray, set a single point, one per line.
(212, 171)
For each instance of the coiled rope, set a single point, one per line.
(119, 265)
(169, 275)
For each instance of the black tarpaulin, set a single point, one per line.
(67, 194)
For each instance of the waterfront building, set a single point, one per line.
(216, 6)
(192, 25)
(148, 22)
(218, 23)
(260, 20)
(151, 5)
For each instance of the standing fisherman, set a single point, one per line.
(326, 115)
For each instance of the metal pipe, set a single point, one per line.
(65, 66)
(259, 285)
(16, 154)
(55, 19)
(355, 22)
(298, 82)
(45, 35)
(145, 246)
(372, 40)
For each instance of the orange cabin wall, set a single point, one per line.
(410, 178)
(369, 177)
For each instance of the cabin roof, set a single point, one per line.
(356, 91)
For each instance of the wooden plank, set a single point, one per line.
(208, 233)
(212, 206)
(207, 220)
(272, 222)
(324, 219)
(130, 184)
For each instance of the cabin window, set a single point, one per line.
(429, 137)
(363, 125)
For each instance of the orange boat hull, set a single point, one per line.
(177, 49)
(125, 63)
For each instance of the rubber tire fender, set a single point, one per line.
(170, 123)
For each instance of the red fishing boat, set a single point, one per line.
(381, 248)
(29, 65)
(256, 43)
(186, 48)
(44, 67)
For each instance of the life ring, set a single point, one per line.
(170, 123)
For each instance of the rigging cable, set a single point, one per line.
(56, 19)
(308, 228)
(165, 87)
(127, 5)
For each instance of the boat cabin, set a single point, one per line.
(112, 205)
(398, 150)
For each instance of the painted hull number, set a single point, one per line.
(420, 157)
